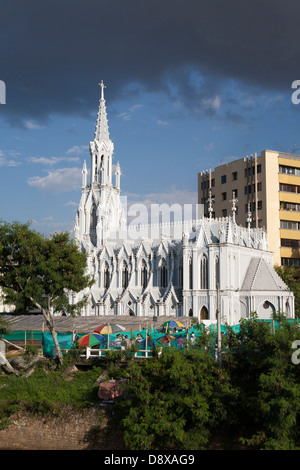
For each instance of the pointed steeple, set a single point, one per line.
(101, 148)
(101, 132)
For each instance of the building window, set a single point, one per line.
(258, 168)
(223, 179)
(224, 213)
(124, 275)
(289, 188)
(234, 175)
(295, 262)
(163, 274)
(224, 196)
(290, 243)
(144, 274)
(259, 186)
(289, 225)
(93, 221)
(106, 276)
(235, 191)
(289, 170)
(289, 206)
(212, 182)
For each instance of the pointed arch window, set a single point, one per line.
(93, 221)
(124, 275)
(102, 169)
(163, 274)
(144, 274)
(96, 167)
(106, 277)
(203, 273)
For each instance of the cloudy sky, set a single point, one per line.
(190, 85)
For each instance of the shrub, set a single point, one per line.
(174, 401)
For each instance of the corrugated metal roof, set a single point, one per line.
(86, 324)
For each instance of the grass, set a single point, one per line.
(47, 392)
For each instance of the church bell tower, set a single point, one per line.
(100, 215)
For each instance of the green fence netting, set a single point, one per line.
(65, 341)
(24, 335)
(116, 341)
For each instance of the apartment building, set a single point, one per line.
(265, 189)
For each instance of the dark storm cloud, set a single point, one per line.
(53, 53)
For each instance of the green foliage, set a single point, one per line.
(174, 401)
(4, 326)
(35, 270)
(259, 364)
(291, 277)
(180, 399)
(40, 273)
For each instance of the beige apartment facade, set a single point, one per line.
(265, 189)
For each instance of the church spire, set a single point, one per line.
(101, 132)
(101, 149)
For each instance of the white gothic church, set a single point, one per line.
(170, 268)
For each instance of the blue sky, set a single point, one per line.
(189, 86)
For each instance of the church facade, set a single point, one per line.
(179, 268)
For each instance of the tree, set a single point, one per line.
(291, 277)
(4, 327)
(279, 392)
(38, 272)
(259, 362)
(174, 401)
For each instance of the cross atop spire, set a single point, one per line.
(102, 89)
(101, 132)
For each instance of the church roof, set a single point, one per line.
(260, 276)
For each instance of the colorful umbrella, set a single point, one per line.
(113, 328)
(91, 339)
(172, 323)
(165, 339)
